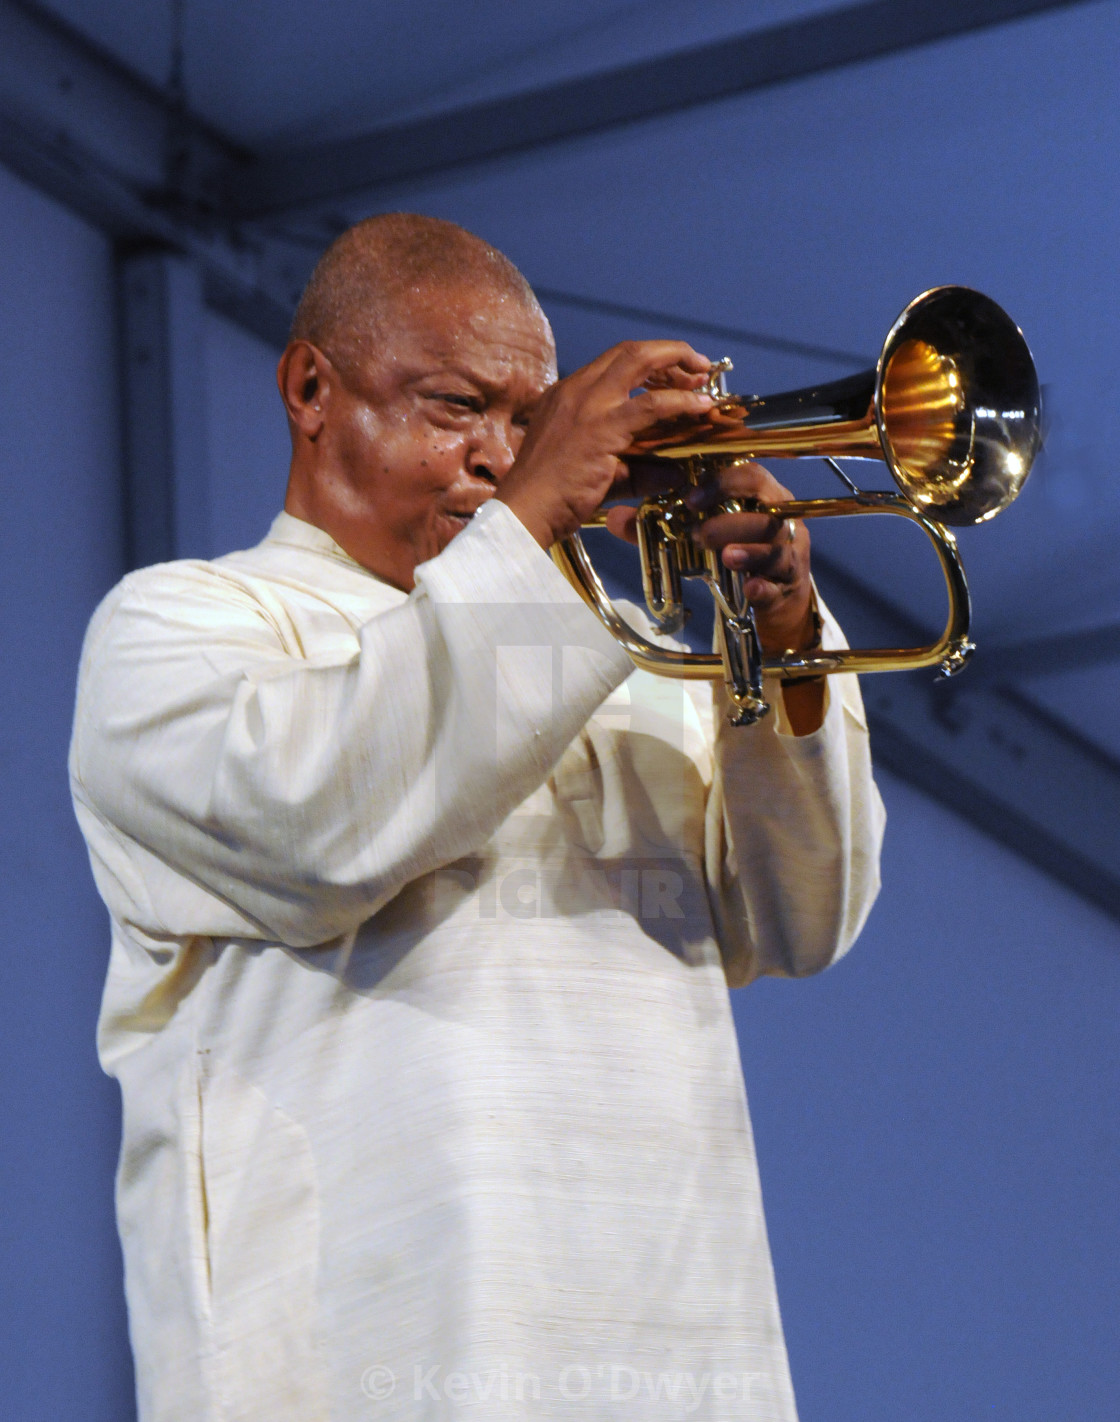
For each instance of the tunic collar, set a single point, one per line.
(292, 532)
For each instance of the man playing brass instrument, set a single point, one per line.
(425, 904)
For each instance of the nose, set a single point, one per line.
(493, 450)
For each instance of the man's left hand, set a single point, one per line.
(775, 566)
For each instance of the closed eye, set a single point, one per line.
(523, 417)
(460, 402)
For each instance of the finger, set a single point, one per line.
(629, 356)
(744, 480)
(636, 361)
(747, 479)
(763, 560)
(650, 407)
(678, 377)
(623, 523)
(645, 477)
(766, 596)
(706, 493)
(641, 360)
(722, 530)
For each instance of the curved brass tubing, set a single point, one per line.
(948, 653)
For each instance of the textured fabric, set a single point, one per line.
(433, 1106)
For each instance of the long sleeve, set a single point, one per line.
(794, 828)
(231, 784)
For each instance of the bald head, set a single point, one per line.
(418, 356)
(368, 277)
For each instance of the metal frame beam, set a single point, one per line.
(237, 282)
(998, 760)
(590, 103)
(167, 489)
(65, 85)
(80, 127)
(720, 331)
(989, 752)
(1079, 651)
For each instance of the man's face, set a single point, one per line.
(424, 432)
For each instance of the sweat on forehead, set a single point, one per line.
(375, 268)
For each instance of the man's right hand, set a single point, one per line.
(569, 461)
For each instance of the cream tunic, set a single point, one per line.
(433, 1107)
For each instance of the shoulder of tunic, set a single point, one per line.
(294, 563)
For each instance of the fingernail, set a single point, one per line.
(734, 558)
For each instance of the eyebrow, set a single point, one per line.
(486, 387)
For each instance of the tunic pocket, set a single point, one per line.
(261, 1222)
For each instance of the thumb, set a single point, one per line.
(623, 523)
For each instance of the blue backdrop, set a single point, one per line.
(936, 1116)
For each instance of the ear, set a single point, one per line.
(306, 379)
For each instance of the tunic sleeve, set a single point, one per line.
(794, 828)
(229, 784)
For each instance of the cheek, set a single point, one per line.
(366, 443)
(398, 459)
(439, 454)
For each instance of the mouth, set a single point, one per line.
(459, 518)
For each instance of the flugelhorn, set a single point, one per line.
(952, 406)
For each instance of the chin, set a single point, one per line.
(449, 526)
